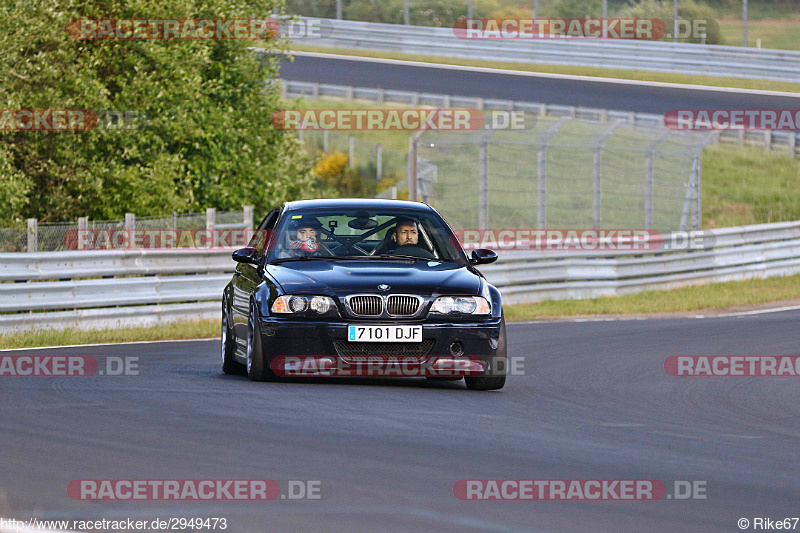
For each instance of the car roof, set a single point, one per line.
(355, 203)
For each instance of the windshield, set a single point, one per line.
(379, 233)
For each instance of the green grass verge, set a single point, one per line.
(780, 34)
(712, 296)
(666, 77)
(178, 330)
(749, 185)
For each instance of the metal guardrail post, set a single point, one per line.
(33, 235)
(130, 221)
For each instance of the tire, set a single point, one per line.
(257, 368)
(494, 378)
(228, 348)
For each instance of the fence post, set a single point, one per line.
(597, 177)
(648, 179)
(325, 141)
(541, 172)
(352, 152)
(130, 221)
(211, 218)
(381, 95)
(792, 142)
(483, 184)
(33, 235)
(379, 162)
(247, 218)
(411, 165)
(698, 205)
(83, 229)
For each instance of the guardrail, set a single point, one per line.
(659, 56)
(105, 289)
(782, 140)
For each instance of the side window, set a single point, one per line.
(263, 234)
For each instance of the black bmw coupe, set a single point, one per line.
(362, 287)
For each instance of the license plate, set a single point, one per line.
(384, 333)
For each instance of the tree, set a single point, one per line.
(202, 138)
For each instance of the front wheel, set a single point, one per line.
(257, 369)
(495, 377)
(229, 363)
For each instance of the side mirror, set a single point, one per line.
(483, 256)
(248, 256)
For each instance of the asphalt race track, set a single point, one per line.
(608, 95)
(594, 403)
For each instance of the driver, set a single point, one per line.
(405, 237)
(405, 233)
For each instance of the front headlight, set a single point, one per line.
(462, 305)
(303, 305)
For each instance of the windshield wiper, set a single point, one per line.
(394, 256)
(303, 258)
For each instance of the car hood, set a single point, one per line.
(340, 278)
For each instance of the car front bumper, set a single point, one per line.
(448, 349)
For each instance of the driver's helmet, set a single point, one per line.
(304, 246)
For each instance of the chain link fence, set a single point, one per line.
(61, 236)
(563, 173)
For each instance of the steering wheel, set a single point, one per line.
(413, 249)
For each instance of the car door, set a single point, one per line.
(245, 280)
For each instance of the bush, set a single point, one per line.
(334, 173)
(688, 10)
